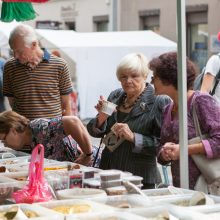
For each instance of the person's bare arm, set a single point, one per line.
(207, 83)
(74, 127)
(66, 105)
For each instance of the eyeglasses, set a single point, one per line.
(3, 139)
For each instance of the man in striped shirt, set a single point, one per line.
(37, 83)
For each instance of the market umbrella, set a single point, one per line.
(19, 10)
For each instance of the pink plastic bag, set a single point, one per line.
(37, 189)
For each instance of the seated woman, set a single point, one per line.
(164, 79)
(135, 124)
(57, 135)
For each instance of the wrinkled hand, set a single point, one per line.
(100, 104)
(84, 160)
(123, 131)
(102, 116)
(170, 151)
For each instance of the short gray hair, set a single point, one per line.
(26, 32)
(133, 62)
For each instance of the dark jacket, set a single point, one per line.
(145, 121)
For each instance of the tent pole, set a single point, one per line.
(182, 94)
(113, 24)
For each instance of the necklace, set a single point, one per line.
(126, 106)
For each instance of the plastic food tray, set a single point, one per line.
(179, 200)
(109, 175)
(61, 166)
(207, 209)
(80, 193)
(15, 176)
(94, 207)
(6, 189)
(24, 166)
(111, 183)
(174, 212)
(13, 152)
(137, 180)
(92, 183)
(5, 179)
(13, 161)
(150, 212)
(125, 201)
(42, 212)
(116, 215)
(164, 192)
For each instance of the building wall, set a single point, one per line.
(79, 11)
(82, 12)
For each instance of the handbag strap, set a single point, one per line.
(196, 121)
(97, 153)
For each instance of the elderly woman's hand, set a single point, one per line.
(102, 117)
(123, 131)
(171, 151)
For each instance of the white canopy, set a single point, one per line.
(96, 56)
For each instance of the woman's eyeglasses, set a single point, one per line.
(4, 138)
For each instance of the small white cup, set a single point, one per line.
(108, 107)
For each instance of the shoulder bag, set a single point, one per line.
(209, 180)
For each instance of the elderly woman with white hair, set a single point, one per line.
(134, 128)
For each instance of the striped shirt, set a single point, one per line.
(37, 92)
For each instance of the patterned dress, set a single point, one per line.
(58, 146)
(208, 112)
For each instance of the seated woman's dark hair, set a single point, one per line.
(165, 68)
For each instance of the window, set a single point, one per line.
(197, 34)
(70, 25)
(150, 20)
(101, 23)
(54, 25)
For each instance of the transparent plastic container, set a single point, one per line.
(58, 180)
(114, 215)
(14, 161)
(17, 176)
(118, 190)
(210, 210)
(80, 193)
(92, 183)
(112, 183)
(137, 180)
(125, 201)
(110, 175)
(6, 154)
(75, 206)
(33, 212)
(182, 200)
(164, 192)
(6, 190)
